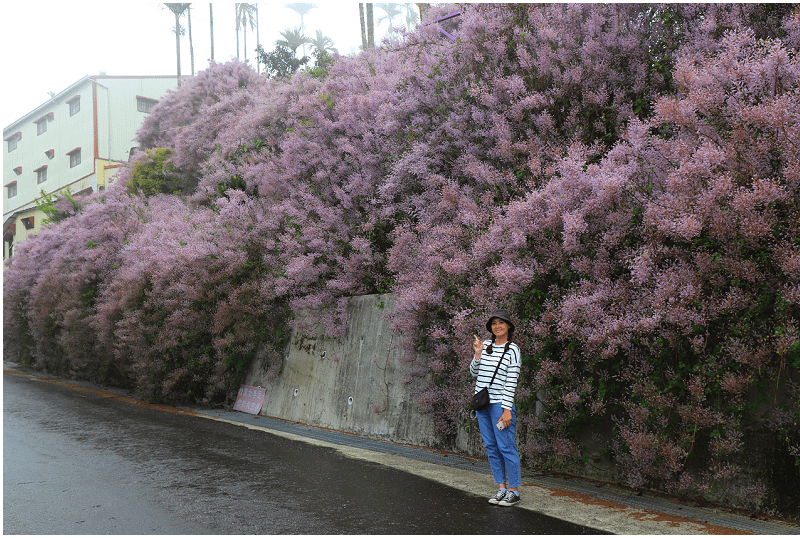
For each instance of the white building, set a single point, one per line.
(76, 140)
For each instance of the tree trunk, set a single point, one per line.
(236, 9)
(363, 26)
(423, 12)
(191, 44)
(211, 24)
(370, 27)
(302, 32)
(258, 40)
(178, 46)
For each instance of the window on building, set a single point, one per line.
(74, 157)
(12, 141)
(41, 123)
(74, 105)
(143, 104)
(11, 189)
(41, 174)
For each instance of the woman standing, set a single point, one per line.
(498, 421)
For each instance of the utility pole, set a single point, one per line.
(211, 19)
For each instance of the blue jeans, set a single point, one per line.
(501, 445)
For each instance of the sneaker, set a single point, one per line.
(511, 498)
(499, 497)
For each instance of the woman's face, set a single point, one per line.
(499, 327)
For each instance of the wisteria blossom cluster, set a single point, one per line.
(624, 178)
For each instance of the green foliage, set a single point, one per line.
(281, 62)
(55, 211)
(323, 61)
(235, 182)
(156, 174)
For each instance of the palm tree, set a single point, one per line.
(245, 14)
(363, 26)
(236, 12)
(412, 18)
(258, 43)
(302, 9)
(177, 10)
(367, 26)
(392, 11)
(293, 39)
(370, 26)
(322, 43)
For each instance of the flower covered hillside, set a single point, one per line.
(622, 178)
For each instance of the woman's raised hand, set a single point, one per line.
(477, 345)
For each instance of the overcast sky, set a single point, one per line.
(47, 46)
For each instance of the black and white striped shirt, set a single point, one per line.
(505, 382)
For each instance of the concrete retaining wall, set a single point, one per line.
(351, 383)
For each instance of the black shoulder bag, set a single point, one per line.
(481, 398)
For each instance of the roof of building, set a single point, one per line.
(71, 88)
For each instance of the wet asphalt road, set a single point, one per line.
(81, 462)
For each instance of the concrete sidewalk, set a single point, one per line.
(604, 508)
